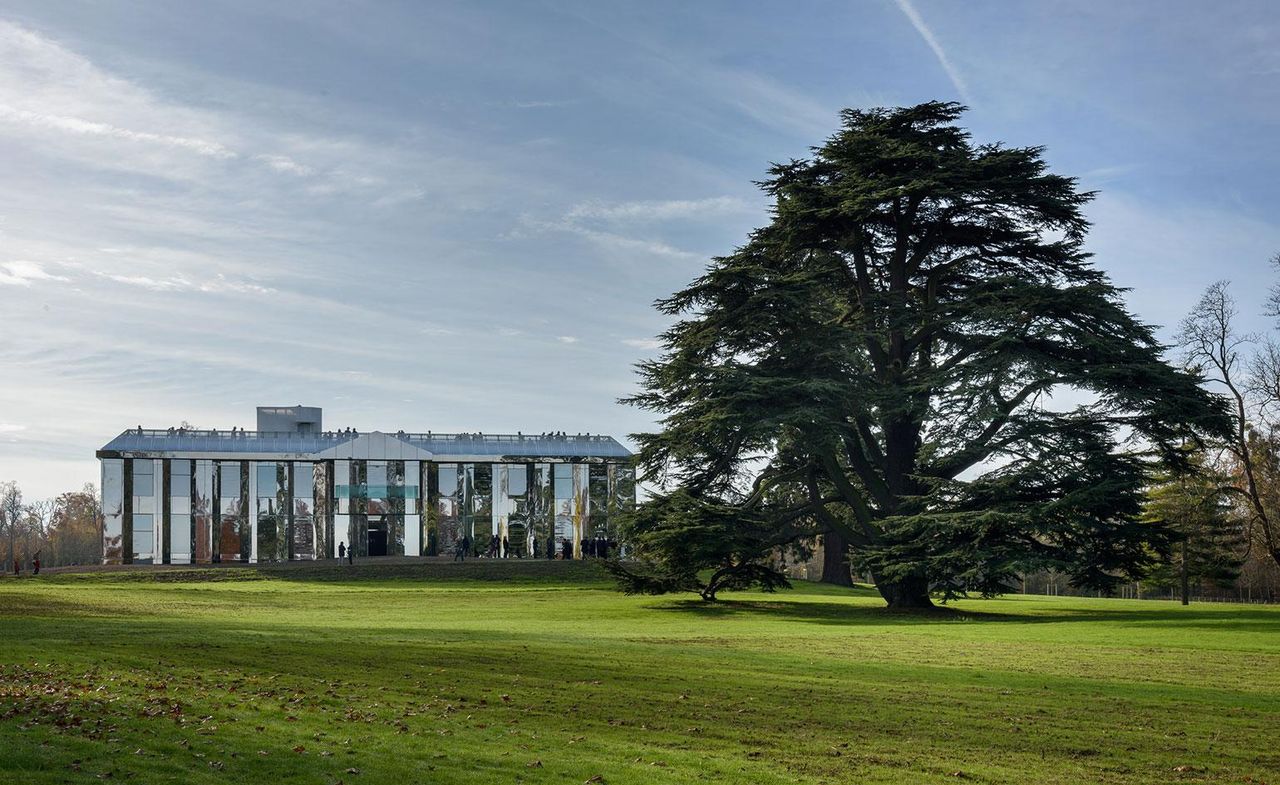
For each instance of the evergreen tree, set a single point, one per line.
(1210, 537)
(881, 360)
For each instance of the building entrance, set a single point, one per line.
(377, 537)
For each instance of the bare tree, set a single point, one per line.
(1246, 369)
(11, 514)
(37, 522)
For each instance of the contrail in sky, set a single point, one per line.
(917, 22)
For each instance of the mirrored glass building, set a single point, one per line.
(294, 491)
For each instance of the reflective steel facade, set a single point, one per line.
(198, 497)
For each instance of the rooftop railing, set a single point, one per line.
(428, 436)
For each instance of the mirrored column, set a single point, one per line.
(144, 509)
(179, 525)
(112, 510)
(202, 506)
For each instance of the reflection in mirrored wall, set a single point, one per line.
(565, 535)
(511, 509)
(179, 526)
(477, 506)
(597, 516)
(542, 511)
(233, 537)
(271, 508)
(145, 510)
(341, 482)
(112, 510)
(202, 504)
(303, 534)
(444, 532)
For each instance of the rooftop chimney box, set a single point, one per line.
(290, 419)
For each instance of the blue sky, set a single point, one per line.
(456, 216)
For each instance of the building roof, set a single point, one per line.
(446, 446)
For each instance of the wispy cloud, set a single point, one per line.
(544, 104)
(283, 163)
(953, 73)
(660, 210)
(648, 344)
(218, 283)
(78, 125)
(567, 339)
(24, 273)
(636, 227)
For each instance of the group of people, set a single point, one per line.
(35, 565)
(500, 548)
(496, 548)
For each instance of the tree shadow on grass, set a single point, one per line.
(1242, 619)
(829, 612)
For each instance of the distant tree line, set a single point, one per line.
(64, 530)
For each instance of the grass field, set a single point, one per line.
(443, 674)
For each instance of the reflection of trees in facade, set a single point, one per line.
(322, 505)
(597, 501)
(112, 510)
(271, 491)
(358, 523)
(233, 510)
(232, 541)
(443, 502)
(202, 504)
(478, 503)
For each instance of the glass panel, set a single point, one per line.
(144, 477)
(180, 535)
(202, 513)
(542, 512)
(180, 479)
(112, 509)
(444, 530)
(323, 495)
(597, 527)
(229, 479)
(233, 536)
(580, 489)
(358, 525)
(517, 479)
(266, 485)
(478, 508)
(563, 480)
(304, 482)
(143, 538)
(304, 537)
(448, 474)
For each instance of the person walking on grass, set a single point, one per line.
(35, 564)
(460, 550)
(342, 551)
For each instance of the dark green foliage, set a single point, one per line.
(918, 353)
(1210, 536)
(686, 537)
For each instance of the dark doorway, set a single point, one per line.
(517, 538)
(377, 537)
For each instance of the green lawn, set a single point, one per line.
(445, 673)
